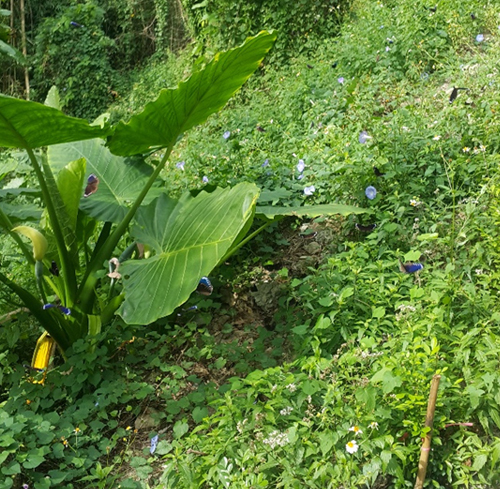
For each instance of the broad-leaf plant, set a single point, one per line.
(185, 238)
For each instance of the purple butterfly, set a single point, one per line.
(64, 310)
(154, 442)
(410, 267)
(92, 184)
(205, 286)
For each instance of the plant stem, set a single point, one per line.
(426, 444)
(232, 251)
(69, 272)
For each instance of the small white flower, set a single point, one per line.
(356, 429)
(436, 138)
(286, 411)
(479, 271)
(479, 38)
(180, 165)
(205, 179)
(465, 149)
(373, 425)
(352, 446)
(291, 387)
(275, 439)
(226, 135)
(309, 190)
(387, 49)
(300, 166)
(363, 137)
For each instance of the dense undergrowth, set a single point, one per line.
(310, 364)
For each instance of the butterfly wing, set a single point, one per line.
(204, 286)
(410, 267)
(92, 185)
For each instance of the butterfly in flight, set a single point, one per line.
(204, 286)
(66, 311)
(410, 267)
(92, 184)
(454, 93)
(365, 229)
(53, 269)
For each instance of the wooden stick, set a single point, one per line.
(426, 444)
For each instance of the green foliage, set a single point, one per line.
(25, 124)
(76, 60)
(229, 22)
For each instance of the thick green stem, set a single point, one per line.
(89, 281)
(69, 272)
(243, 242)
(46, 318)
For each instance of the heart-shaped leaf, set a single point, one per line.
(189, 236)
(204, 93)
(120, 179)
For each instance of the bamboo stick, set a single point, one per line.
(426, 444)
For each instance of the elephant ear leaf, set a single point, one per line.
(190, 236)
(29, 125)
(204, 93)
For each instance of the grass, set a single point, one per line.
(306, 338)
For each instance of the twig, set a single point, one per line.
(426, 444)
(9, 315)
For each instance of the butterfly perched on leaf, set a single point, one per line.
(377, 172)
(410, 267)
(205, 286)
(92, 185)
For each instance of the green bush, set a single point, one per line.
(76, 59)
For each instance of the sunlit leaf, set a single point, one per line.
(25, 124)
(204, 93)
(189, 236)
(270, 212)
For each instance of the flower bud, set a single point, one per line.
(38, 240)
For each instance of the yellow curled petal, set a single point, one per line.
(40, 244)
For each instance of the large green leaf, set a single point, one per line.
(120, 179)
(270, 212)
(189, 236)
(14, 192)
(18, 213)
(26, 124)
(69, 182)
(204, 93)
(11, 52)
